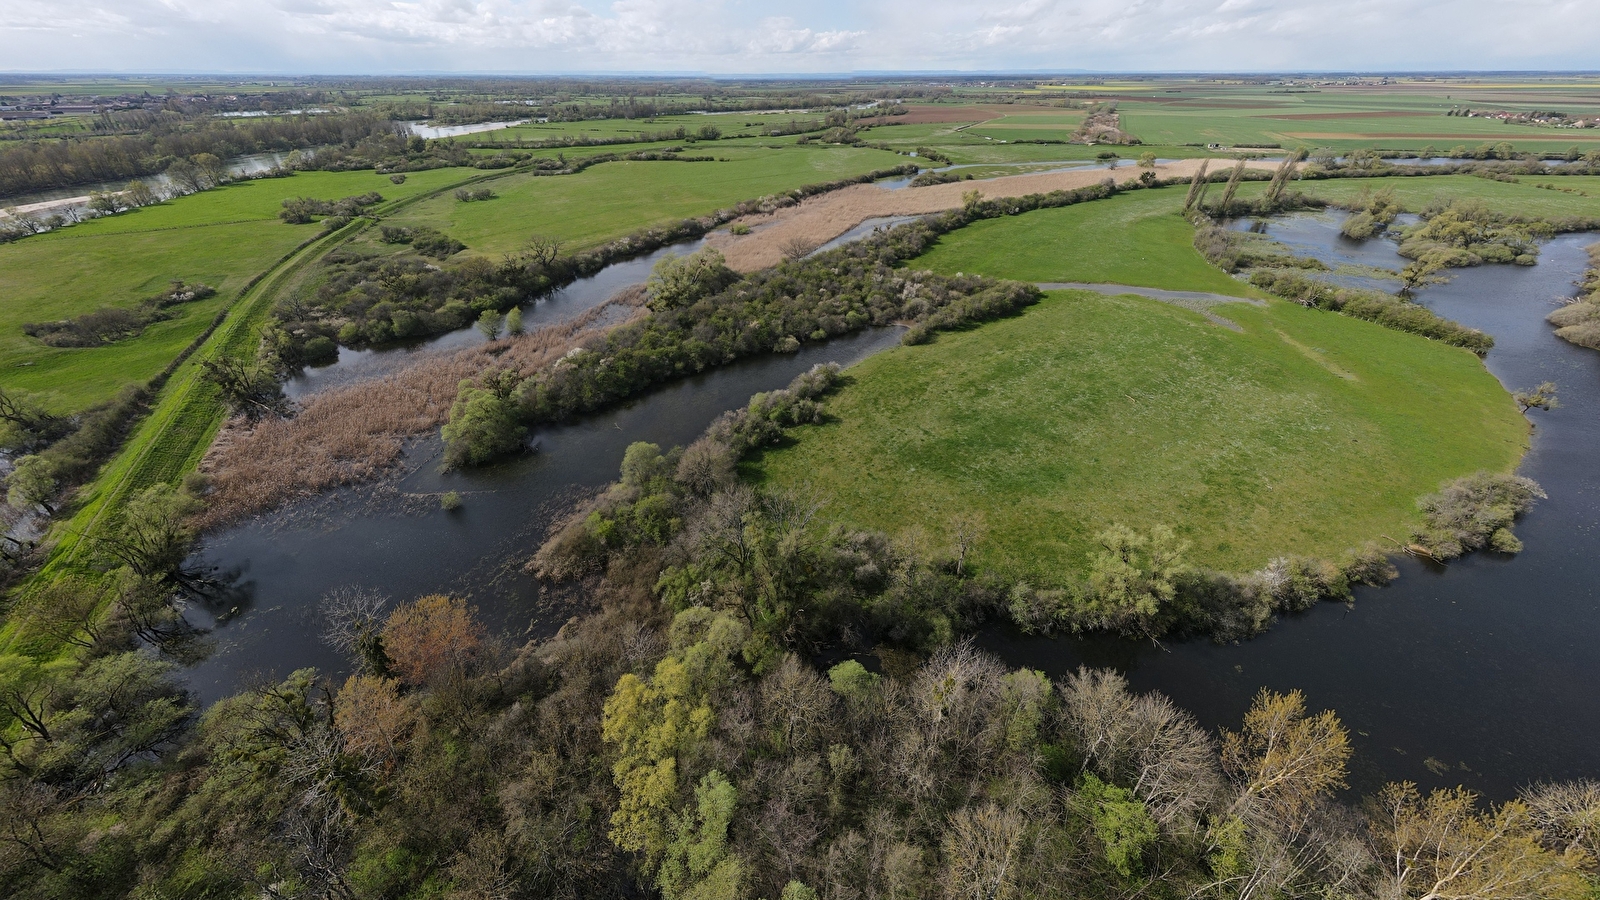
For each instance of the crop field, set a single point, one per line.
(615, 198)
(222, 237)
(1301, 435)
(1405, 116)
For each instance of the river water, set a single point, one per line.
(1480, 673)
(239, 165)
(1483, 672)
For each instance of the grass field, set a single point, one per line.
(1415, 193)
(1304, 434)
(1134, 238)
(612, 199)
(222, 237)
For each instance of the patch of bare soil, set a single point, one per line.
(351, 434)
(821, 219)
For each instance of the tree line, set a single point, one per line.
(41, 164)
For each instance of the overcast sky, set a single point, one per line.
(822, 36)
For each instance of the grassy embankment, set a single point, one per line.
(1307, 433)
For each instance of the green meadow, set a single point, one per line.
(1304, 433)
(1134, 238)
(223, 237)
(1523, 197)
(615, 198)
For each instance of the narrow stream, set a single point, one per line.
(1482, 672)
(559, 306)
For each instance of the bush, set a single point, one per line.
(1473, 512)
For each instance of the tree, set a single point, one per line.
(138, 193)
(489, 324)
(796, 247)
(1282, 761)
(372, 717)
(980, 848)
(431, 637)
(106, 203)
(1568, 814)
(1443, 848)
(1120, 821)
(152, 535)
(1147, 160)
(32, 483)
(696, 865)
(186, 175)
(514, 326)
(965, 532)
(29, 420)
(354, 626)
(542, 250)
(1133, 577)
(1541, 397)
(483, 425)
(250, 390)
(680, 281)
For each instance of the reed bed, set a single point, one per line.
(351, 434)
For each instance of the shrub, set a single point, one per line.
(1473, 512)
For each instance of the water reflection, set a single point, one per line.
(395, 538)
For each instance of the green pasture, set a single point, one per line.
(1414, 193)
(222, 237)
(1135, 238)
(615, 198)
(1308, 433)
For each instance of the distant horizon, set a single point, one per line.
(1023, 74)
(756, 38)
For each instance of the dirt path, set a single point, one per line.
(823, 218)
(1195, 301)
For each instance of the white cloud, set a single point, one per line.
(757, 35)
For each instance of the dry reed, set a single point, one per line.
(350, 434)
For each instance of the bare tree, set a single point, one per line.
(981, 846)
(966, 530)
(796, 247)
(1568, 814)
(354, 620)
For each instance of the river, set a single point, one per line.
(1480, 673)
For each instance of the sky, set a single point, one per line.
(727, 37)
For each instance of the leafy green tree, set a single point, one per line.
(697, 865)
(679, 281)
(514, 326)
(483, 425)
(32, 483)
(489, 324)
(1120, 821)
(1134, 576)
(152, 536)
